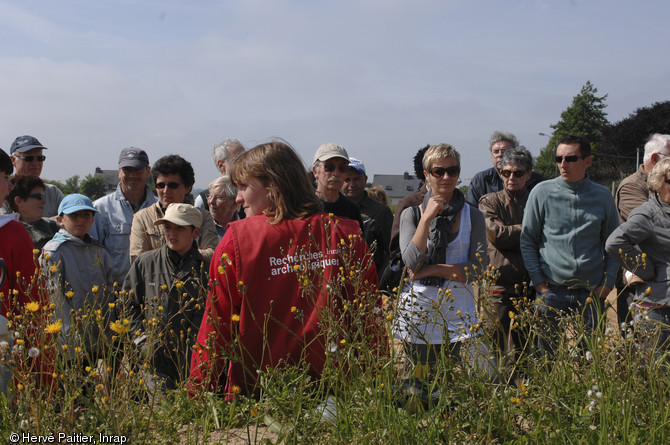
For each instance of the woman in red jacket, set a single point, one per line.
(16, 291)
(274, 276)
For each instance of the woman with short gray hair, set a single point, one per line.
(503, 212)
(222, 205)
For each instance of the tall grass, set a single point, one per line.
(598, 387)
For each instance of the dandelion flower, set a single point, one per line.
(69, 294)
(33, 352)
(111, 305)
(220, 269)
(54, 328)
(343, 342)
(293, 309)
(236, 389)
(33, 306)
(20, 341)
(235, 318)
(54, 269)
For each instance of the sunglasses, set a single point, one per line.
(37, 196)
(571, 158)
(170, 185)
(31, 158)
(516, 173)
(438, 172)
(342, 168)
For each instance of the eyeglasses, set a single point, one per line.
(571, 158)
(37, 196)
(438, 172)
(342, 168)
(516, 173)
(31, 158)
(170, 185)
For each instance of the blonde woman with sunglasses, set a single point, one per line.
(441, 250)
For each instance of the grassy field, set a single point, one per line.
(599, 387)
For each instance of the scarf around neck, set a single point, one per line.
(440, 227)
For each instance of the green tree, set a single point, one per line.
(584, 117)
(93, 186)
(622, 142)
(71, 185)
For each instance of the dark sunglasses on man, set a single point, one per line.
(571, 158)
(342, 168)
(31, 158)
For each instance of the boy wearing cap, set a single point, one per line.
(112, 225)
(169, 285)
(28, 160)
(79, 277)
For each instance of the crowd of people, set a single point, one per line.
(227, 271)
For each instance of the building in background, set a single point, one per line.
(397, 186)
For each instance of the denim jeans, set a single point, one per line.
(560, 301)
(654, 328)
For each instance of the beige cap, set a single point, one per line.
(330, 150)
(182, 215)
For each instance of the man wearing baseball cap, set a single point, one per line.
(27, 156)
(377, 218)
(112, 227)
(175, 274)
(331, 163)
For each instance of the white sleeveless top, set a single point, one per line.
(424, 311)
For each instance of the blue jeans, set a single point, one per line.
(560, 301)
(654, 328)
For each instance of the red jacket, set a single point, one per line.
(16, 249)
(253, 276)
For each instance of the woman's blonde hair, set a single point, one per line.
(281, 171)
(658, 175)
(439, 151)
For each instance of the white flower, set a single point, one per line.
(589, 356)
(599, 395)
(17, 334)
(589, 393)
(24, 424)
(594, 387)
(4, 344)
(33, 352)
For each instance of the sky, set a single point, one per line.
(380, 77)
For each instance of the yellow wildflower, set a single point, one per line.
(164, 287)
(179, 284)
(20, 341)
(69, 294)
(589, 300)
(296, 267)
(54, 328)
(236, 389)
(33, 306)
(118, 328)
(54, 269)
(343, 341)
(95, 289)
(293, 309)
(111, 305)
(221, 270)
(235, 318)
